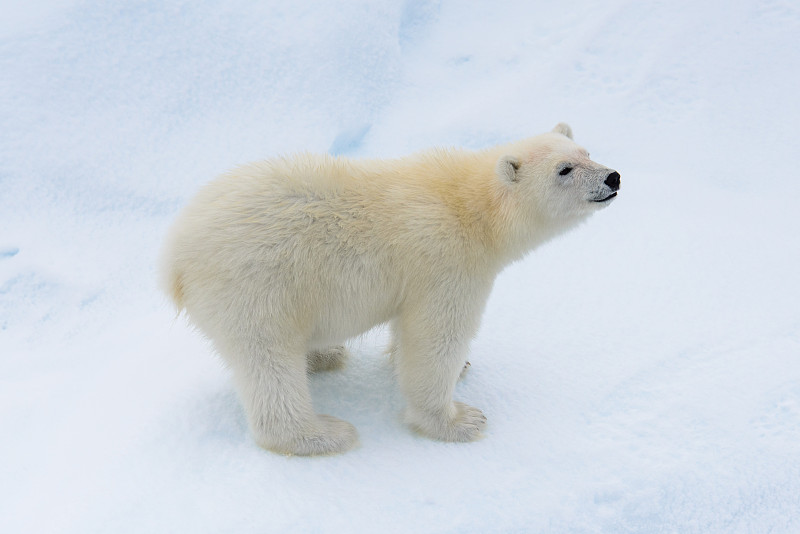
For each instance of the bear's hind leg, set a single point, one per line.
(329, 359)
(273, 387)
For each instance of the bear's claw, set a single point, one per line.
(464, 370)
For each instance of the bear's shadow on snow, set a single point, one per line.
(214, 416)
(365, 392)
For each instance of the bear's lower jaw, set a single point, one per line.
(609, 197)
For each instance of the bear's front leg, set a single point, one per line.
(429, 358)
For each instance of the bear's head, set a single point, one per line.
(554, 177)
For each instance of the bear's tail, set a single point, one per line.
(174, 290)
(171, 280)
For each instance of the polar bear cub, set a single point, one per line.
(279, 262)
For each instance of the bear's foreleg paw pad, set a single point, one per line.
(327, 360)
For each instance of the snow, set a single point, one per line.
(640, 374)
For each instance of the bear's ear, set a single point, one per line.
(564, 129)
(507, 168)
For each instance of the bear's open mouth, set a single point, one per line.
(609, 197)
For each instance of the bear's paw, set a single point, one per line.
(329, 435)
(463, 423)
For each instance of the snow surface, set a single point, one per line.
(641, 374)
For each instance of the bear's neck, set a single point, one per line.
(501, 230)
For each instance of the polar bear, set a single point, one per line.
(280, 262)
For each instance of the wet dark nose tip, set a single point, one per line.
(612, 181)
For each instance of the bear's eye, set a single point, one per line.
(565, 171)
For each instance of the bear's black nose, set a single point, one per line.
(612, 181)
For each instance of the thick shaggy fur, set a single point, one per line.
(281, 261)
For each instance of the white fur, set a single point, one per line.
(281, 261)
